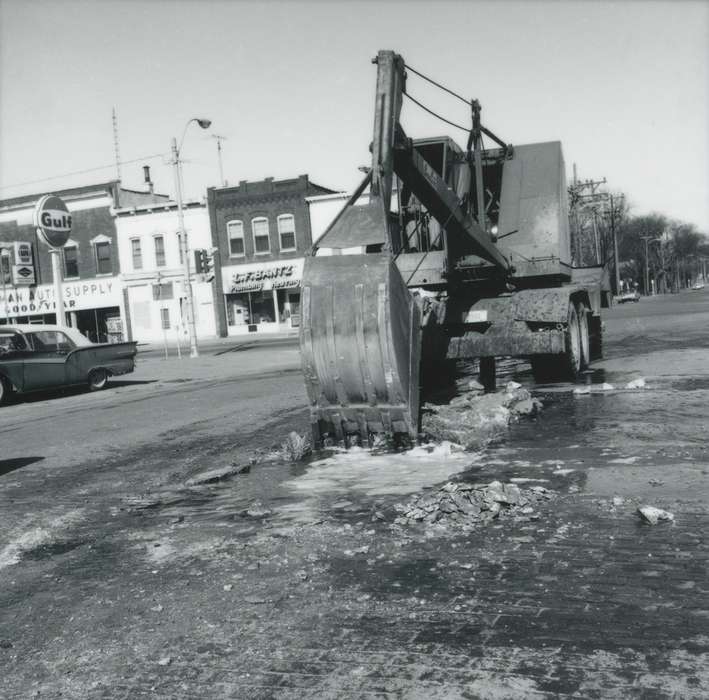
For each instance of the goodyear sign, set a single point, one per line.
(53, 220)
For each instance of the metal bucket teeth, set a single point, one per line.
(360, 347)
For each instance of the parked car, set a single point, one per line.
(625, 297)
(38, 357)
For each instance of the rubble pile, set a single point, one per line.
(474, 418)
(467, 504)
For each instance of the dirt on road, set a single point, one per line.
(127, 575)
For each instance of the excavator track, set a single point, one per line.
(360, 343)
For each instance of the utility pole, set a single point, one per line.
(194, 352)
(614, 234)
(586, 203)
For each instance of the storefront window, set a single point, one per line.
(103, 258)
(250, 308)
(162, 291)
(5, 269)
(71, 262)
(289, 307)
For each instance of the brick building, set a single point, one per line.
(93, 295)
(262, 231)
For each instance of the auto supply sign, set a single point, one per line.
(53, 220)
(78, 296)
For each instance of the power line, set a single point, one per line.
(80, 172)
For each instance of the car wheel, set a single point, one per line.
(5, 390)
(98, 379)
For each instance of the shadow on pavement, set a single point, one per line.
(50, 395)
(9, 465)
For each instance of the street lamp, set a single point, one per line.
(205, 124)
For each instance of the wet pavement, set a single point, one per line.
(295, 581)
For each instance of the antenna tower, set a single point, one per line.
(115, 144)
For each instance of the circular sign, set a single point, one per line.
(53, 220)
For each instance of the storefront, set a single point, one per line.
(263, 297)
(93, 306)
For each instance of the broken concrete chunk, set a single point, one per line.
(213, 475)
(255, 510)
(618, 501)
(653, 515)
(638, 383)
(470, 504)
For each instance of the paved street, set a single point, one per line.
(121, 580)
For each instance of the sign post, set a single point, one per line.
(53, 222)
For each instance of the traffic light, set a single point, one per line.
(204, 263)
(200, 261)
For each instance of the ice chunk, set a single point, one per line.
(653, 515)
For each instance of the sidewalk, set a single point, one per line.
(226, 361)
(217, 345)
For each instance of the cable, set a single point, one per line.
(438, 116)
(438, 85)
(80, 172)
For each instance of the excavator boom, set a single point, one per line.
(369, 322)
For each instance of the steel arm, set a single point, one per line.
(464, 235)
(392, 152)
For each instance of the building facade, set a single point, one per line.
(150, 255)
(93, 298)
(262, 230)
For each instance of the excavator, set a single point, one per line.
(441, 254)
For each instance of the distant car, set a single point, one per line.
(39, 357)
(626, 297)
(698, 285)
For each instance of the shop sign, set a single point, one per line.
(53, 220)
(264, 277)
(22, 274)
(77, 297)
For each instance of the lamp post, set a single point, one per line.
(192, 330)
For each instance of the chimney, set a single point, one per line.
(146, 178)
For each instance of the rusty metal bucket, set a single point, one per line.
(360, 346)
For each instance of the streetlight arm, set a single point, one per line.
(204, 123)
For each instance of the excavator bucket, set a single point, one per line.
(360, 346)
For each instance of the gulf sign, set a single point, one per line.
(53, 220)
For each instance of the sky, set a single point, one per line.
(290, 86)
